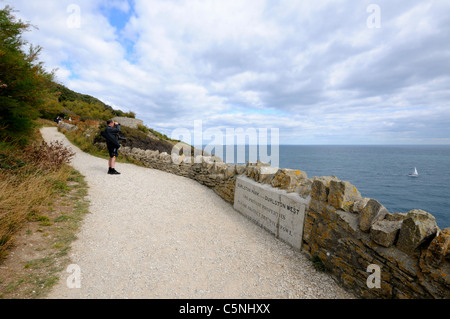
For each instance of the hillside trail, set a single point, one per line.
(154, 235)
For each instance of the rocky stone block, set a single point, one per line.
(207, 166)
(342, 195)
(305, 188)
(148, 153)
(439, 249)
(216, 159)
(348, 221)
(217, 168)
(384, 232)
(267, 174)
(320, 187)
(67, 127)
(417, 228)
(230, 171)
(124, 149)
(140, 154)
(397, 217)
(200, 159)
(251, 171)
(135, 150)
(257, 164)
(154, 154)
(240, 169)
(165, 158)
(319, 191)
(359, 205)
(288, 179)
(371, 213)
(178, 159)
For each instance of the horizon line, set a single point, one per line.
(269, 145)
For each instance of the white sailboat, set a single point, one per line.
(415, 173)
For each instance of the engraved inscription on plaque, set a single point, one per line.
(275, 210)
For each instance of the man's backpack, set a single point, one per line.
(109, 139)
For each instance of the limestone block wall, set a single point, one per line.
(353, 236)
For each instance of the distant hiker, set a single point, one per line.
(111, 134)
(58, 120)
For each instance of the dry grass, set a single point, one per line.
(28, 179)
(42, 204)
(21, 198)
(38, 253)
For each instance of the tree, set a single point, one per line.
(24, 84)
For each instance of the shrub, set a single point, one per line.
(143, 128)
(48, 156)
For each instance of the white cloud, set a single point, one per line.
(311, 68)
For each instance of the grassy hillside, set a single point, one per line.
(85, 106)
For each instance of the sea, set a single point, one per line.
(380, 172)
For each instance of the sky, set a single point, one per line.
(320, 72)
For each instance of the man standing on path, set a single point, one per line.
(111, 134)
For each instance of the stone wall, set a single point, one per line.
(351, 235)
(128, 122)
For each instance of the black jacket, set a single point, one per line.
(111, 134)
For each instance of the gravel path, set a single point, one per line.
(155, 235)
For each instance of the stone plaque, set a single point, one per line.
(275, 210)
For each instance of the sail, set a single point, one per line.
(415, 173)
